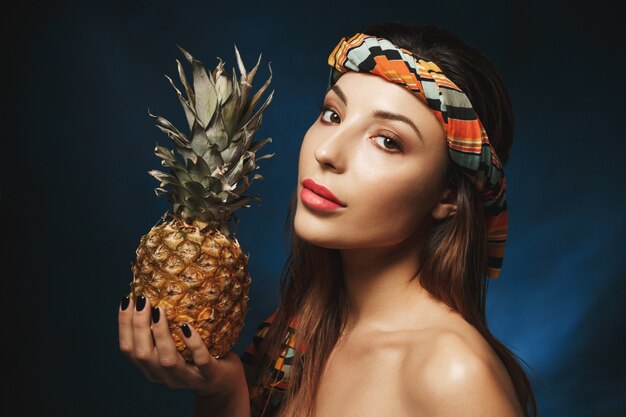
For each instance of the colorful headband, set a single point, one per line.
(467, 139)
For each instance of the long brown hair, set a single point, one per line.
(454, 258)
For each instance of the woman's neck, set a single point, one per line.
(382, 286)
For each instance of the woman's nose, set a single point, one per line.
(330, 153)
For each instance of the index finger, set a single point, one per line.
(124, 324)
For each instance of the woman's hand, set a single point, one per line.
(145, 339)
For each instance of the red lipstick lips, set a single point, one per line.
(319, 197)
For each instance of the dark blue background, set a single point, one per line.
(76, 198)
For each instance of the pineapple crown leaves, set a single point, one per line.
(219, 153)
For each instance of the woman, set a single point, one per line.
(397, 223)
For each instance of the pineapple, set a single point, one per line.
(190, 264)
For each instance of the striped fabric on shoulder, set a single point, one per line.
(266, 398)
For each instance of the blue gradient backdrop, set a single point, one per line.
(76, 197)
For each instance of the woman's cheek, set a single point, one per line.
(382, 202)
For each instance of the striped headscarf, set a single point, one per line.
(467, 139)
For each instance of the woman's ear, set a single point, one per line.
(446, 206)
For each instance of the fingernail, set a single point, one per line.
(141, 302)
(156, 314)
(124, 302)
(186, 330)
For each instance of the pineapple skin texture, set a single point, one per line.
(196, 276)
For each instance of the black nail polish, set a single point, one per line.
(124, 302)
(141, 302)
(186, 330)
(156, 314)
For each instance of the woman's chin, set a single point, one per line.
(315, 237)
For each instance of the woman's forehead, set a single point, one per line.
(370, 86)
(376, 95)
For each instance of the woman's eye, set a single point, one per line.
(387, 143)
(324, 109)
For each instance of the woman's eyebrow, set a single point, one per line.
(380, 114)
(340, 93)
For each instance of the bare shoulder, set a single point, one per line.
(456, 372)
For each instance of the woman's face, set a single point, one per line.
(389, 177)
